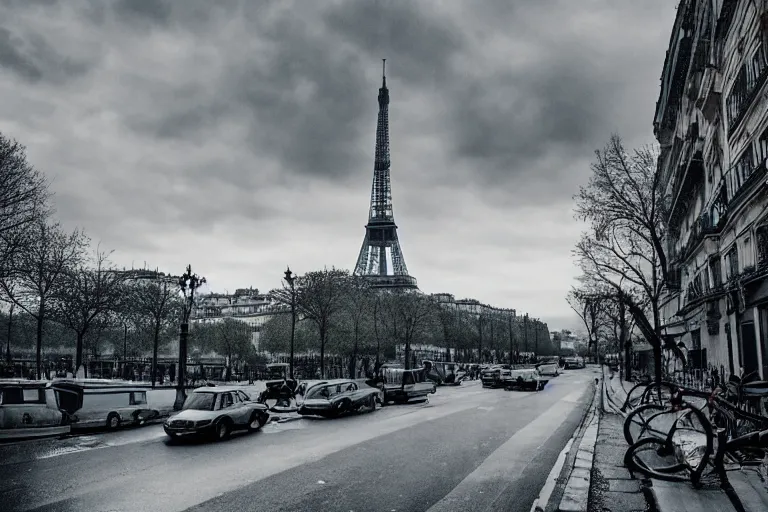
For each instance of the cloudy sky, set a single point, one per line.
(238, 135)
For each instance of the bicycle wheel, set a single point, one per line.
(633, 397)
(638, 422)
(649, 457)
(682, 455)
(693, 439)
(658, 393)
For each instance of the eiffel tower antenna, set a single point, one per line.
(381, 258)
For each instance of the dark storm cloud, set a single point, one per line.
(33, 59)
(244, 130)
(154, 11)
(419, 40)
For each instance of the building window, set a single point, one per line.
(762, 244)
(747, 253)
(732, 263)
(742, 171)
(750, 77)
(762, 149)
(715, 271)
(737, 96)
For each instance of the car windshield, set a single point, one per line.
(322, 392)
(199, 402)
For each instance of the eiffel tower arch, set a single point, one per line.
(381, 257)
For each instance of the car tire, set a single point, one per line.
(255, 423)
(113, 421)
(222, 430)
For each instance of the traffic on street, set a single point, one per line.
(465, 447)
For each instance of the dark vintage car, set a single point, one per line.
(334, 398)
(525, 379)
(400, 385)
(444, 374)
(280, 390)
(216, 412)
(495, 376)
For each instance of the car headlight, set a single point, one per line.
(203, 423)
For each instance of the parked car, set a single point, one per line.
(216, 412)
(495, 376)
(549, 366)
(400, 385)
(334, 398)
(443, 373)
(109, 403)
(574, 362)
(525, 379)
(31, 409)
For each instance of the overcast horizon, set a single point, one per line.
(239, 137)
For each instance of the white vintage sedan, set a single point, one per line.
(526, 379)
(216, 412)
(550, 366)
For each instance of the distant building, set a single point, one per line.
(245, 305)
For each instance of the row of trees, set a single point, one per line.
(52, 282)
(624, 262)
(340, 313)
(60, 293)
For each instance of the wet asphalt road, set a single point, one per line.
(467, 449)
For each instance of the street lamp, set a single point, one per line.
(188, 284)
(525, 323)
(290, 279)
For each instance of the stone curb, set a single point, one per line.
(576, 495)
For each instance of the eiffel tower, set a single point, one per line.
(381, 259)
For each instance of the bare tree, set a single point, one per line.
(233, 339)
(23, 199)
(626, 206)
(85, 295)
(357, 304)
(414, 313)
(319, 298)
(156, 302)
(588, 305)
(40, 270)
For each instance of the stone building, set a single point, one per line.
(711, 122)
(245, 305)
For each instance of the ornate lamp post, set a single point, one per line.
(290, 279)
(188, 284)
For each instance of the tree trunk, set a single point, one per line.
(657, 349)
(322, 350)
(407, 352)
(155, 342)
(480, 340)
(79, 351)
(354, 348)
(39, 348)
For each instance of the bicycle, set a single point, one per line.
(725, 437)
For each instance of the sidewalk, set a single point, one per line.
(612, 488)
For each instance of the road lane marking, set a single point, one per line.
(506, 463)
